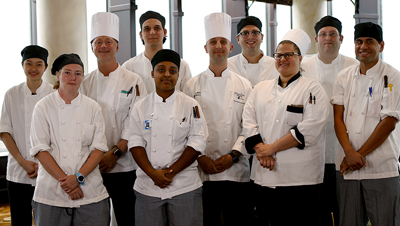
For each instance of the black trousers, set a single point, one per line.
(287, 206)
(120, 188)
(227, 203)
(20, 198)
(329, 201)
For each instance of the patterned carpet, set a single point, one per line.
(5, 219)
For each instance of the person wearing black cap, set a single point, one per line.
(167, 133)
(115, 89)
(252, 63)
(323, 67)
(153, 34)
(67, 136)
(366, 104)
(14, 128)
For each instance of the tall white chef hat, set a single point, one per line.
(300, 38)
(217, 25)
(105, 24)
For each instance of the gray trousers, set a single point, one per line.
(376, 199)
(181, 210)
(87, 215)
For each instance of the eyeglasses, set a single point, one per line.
(246, 34)
(324, 35)
(288, 55)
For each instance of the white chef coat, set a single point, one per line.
(110, 92)
(141, 65)
(222, 100)
(15, 119)
(266, 113)
(363, 112)
(255, 73)
(165, 129)
(69, 132)
(325, 74)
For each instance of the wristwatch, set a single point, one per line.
(235, 158)
(80, 178)
(117, 151)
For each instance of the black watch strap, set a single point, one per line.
(235, 158)
(117, 151)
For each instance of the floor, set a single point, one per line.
(5, 219)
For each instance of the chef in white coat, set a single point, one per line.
(323, 67)
(67, 136)
(115, 89)
(252, 63)
(222, 95)
(366, 105)
(15, 122)
(283, 122)
(153, 35)
(168, 132)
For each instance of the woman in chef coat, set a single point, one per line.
(283, 123)
(67, 136)
(167, 133)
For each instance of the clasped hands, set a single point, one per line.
(353, 161)
(70, 186)
(264, 154)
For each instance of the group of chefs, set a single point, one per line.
(252, 140)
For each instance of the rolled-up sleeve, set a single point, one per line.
(198, 132)
(135, 138)
(40, 132)
(315, 117)
(99, 139)
(5, 121)
(250, 126)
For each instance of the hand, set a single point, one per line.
(69, 183)
(108, 162)
(207, 165)
(354, 161)
(31, 168)
(76, 194)
(171, 174)
(224, 162)
(267, 162)
(344, 168)
(160, 179)
(264, 151)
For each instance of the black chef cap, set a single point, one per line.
(368, 29)
(328, 21)
(34, 51)
(166, 55)
(151, 15)
(249, 20)
(65, 59)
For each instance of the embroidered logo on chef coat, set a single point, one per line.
(197, 94)
(147, 124)
(240, 96)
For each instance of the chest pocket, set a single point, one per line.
(180, 130)
(374, 105)
(87, 134)
(123, 103)
(294, 115)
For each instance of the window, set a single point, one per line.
(193, 33)
(14, 41)
(344, 11)
(389, 54)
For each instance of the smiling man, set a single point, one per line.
(222, 94)
(153, 35)
(366, 104)
(252, 63)
(116, 90)
(324, 67)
